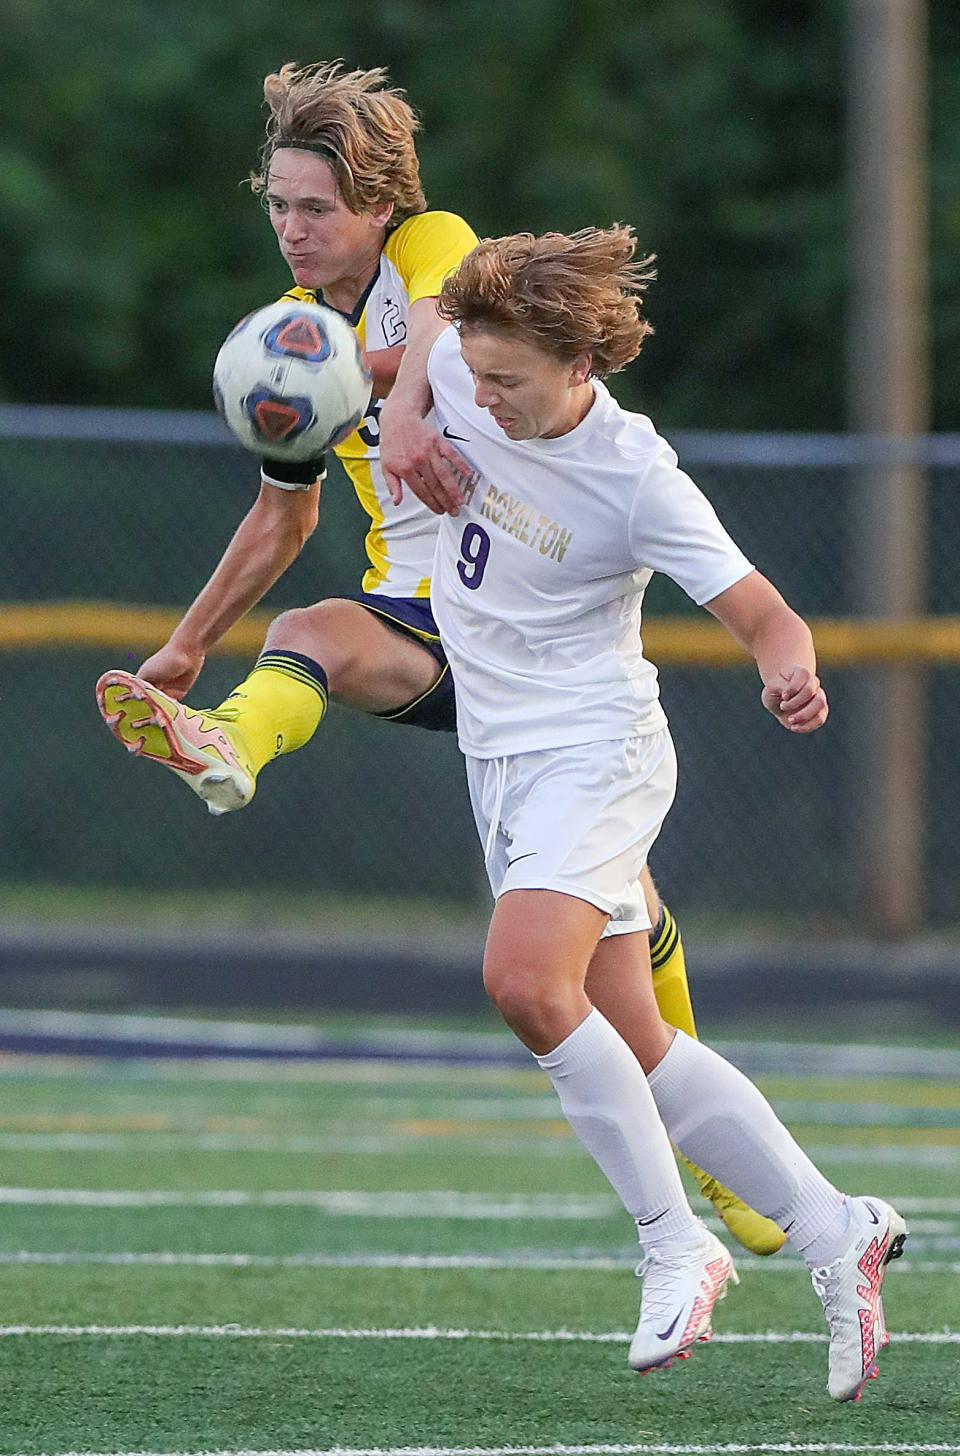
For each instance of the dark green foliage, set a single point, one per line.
(132, 245)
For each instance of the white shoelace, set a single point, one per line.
(826, 1281)
(660, 1273)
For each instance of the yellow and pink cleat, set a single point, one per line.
(192, 744)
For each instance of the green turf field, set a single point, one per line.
(216, 1257)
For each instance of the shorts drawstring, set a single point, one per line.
(488, 848)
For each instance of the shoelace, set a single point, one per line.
(659, 1272)
(826, 1281)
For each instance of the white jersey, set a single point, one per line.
(538, 581)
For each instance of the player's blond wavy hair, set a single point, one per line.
(356, 121)
(570, 294)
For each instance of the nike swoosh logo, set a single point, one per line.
(874, 1216)
(516, 859)
(642, 1222)
(448, 436)
(670, 1328)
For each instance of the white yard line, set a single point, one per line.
(338, 1203)
(434, 1332)
(781, 1448)
(427, 1203)
(536, 1262)
(380, 1143)
(407, 1142)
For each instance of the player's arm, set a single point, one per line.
(411, 450)
(754, 612)
(269, 538)
(384, 365)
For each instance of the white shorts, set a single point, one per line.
(580, 820)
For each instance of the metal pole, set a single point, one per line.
(888, 392)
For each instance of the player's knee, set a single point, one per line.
(316, 632)
(287, 629)
(530, 1005)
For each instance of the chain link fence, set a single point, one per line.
(123, 507)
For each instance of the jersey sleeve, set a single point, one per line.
(674, 529)
(426, 248)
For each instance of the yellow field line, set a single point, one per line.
(126, 628)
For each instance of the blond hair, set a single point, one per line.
(569, 294)
(355, 121)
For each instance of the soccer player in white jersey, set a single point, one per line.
(339, 177)
(571, 504)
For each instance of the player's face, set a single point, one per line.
(323, 242)
(532, 395)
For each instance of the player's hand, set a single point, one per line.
(413, 453)
(797, 700)
(173, 669)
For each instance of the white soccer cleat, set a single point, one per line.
(679, 1292)
(850, 1291)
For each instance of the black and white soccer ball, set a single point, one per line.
(290, 380)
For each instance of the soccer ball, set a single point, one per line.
(290, 380)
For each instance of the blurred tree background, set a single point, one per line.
(717, 129)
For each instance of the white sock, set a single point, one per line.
(606, 1100)
(724, 1124)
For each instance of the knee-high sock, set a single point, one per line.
(278, 706)
(670, 974)
(722, 1122)
(606, 1100)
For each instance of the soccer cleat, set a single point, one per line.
(680, 1289)
(850, 1291)
(757, 1234)
(193, 745)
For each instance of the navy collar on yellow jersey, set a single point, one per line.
(353, 318)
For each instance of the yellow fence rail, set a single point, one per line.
(669, 641)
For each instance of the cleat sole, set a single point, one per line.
(146, 728)
(667, 1364)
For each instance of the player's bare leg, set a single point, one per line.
(757, 1234)
(368, 665)
(540, 946)
(334, 649)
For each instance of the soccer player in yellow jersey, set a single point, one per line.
(339, 178)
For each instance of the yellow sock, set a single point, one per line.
(670, 974)
(277, 708)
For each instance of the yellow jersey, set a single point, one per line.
(416, 258)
